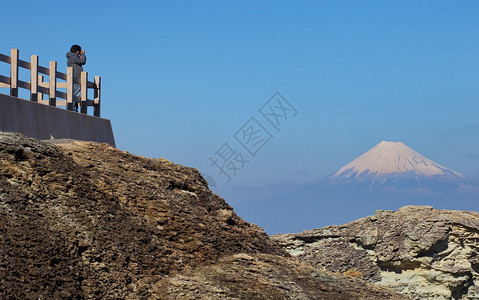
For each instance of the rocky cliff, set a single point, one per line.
(87, 221)
(418, 251)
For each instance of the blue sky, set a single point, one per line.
(181, 77)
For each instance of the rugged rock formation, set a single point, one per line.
(418, 251)
(263, 276)
(85, 220)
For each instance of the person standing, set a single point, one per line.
(76, 58)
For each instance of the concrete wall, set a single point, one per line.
(42, 121)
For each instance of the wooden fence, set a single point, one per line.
(40, 88)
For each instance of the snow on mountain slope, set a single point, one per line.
(392, 158)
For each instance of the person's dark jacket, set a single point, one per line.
(76, 61)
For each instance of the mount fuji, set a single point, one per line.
(388, 176)
(395, 167)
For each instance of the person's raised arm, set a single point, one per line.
(79, 60)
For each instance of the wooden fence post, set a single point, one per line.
(70, 88)
(53, 84)
(84, 92)
(96, 102)
(40, 94)
(34, 78)
(14, 73)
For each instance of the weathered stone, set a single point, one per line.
(88, 221)
(264, 276)
(418, 251)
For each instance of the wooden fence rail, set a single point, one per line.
(39, 88)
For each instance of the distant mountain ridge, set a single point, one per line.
(388, 176)
(395, 164)
(393, 157)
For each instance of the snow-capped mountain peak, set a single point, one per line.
(392, 158)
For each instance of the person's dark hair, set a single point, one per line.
(75, 48)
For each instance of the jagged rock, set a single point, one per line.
(264, 276)
(88, 221)
(418, 251)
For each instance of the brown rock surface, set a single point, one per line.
(418, 251)
(85, 220)
(264, 276)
